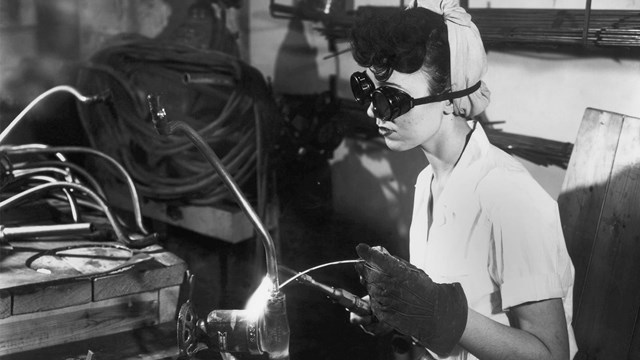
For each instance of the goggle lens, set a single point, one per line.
(362, 87)
(381, 106)
(390, 103)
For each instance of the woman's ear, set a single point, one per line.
(448, 107)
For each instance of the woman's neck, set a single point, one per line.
(445, 152)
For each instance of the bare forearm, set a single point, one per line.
(488, 339)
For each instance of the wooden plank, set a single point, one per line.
(611, 295)
(15, 272)
(31, 331)
(166, 258)
(172, 353)
(152, 342)
(5, 304)
(223, 222)
(28, 299)
(144, 277)
(226, 222)
(168, 303)
(584, 188)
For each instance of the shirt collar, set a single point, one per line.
(463, 174)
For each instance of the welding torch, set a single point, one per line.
(400, 344)
(343, 297)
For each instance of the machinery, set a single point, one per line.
(263, 327)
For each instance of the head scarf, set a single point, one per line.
(468, 57)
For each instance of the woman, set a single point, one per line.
(490, 276)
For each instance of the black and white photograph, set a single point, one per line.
(319, 179)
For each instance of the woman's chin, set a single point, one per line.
(396, 145)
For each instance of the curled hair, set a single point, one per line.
(404, 41)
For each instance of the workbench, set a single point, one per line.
(57, 292)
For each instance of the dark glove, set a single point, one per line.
(406, 298)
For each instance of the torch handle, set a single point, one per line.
(351, 302)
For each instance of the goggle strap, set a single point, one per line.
(447, 96)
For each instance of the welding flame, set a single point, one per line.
(258, 301)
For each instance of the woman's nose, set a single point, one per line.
(370, 110)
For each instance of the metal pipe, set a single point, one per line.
(21, 232)
(38, 148)
(587, 20)
(132, 240)
(208, 79)
(165, 127)
(73, 204)
(70, 167)
(66, 88)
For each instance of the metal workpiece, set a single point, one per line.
(233, 331)
(236, 331)
(274, 328)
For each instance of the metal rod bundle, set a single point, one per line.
(537, 150)
(606, 28)
(562, 27)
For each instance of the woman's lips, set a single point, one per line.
(384, 131)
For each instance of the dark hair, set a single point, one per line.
(404, 41)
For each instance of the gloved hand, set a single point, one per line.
(406, 298)
(370, 324)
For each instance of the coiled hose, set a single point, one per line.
(213, 92)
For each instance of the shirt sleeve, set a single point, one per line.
(529, 260)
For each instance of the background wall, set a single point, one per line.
(542, 94)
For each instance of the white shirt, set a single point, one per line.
(496, 232)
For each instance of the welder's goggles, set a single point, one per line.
(389, 102)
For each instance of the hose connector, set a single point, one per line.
(158, 115)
